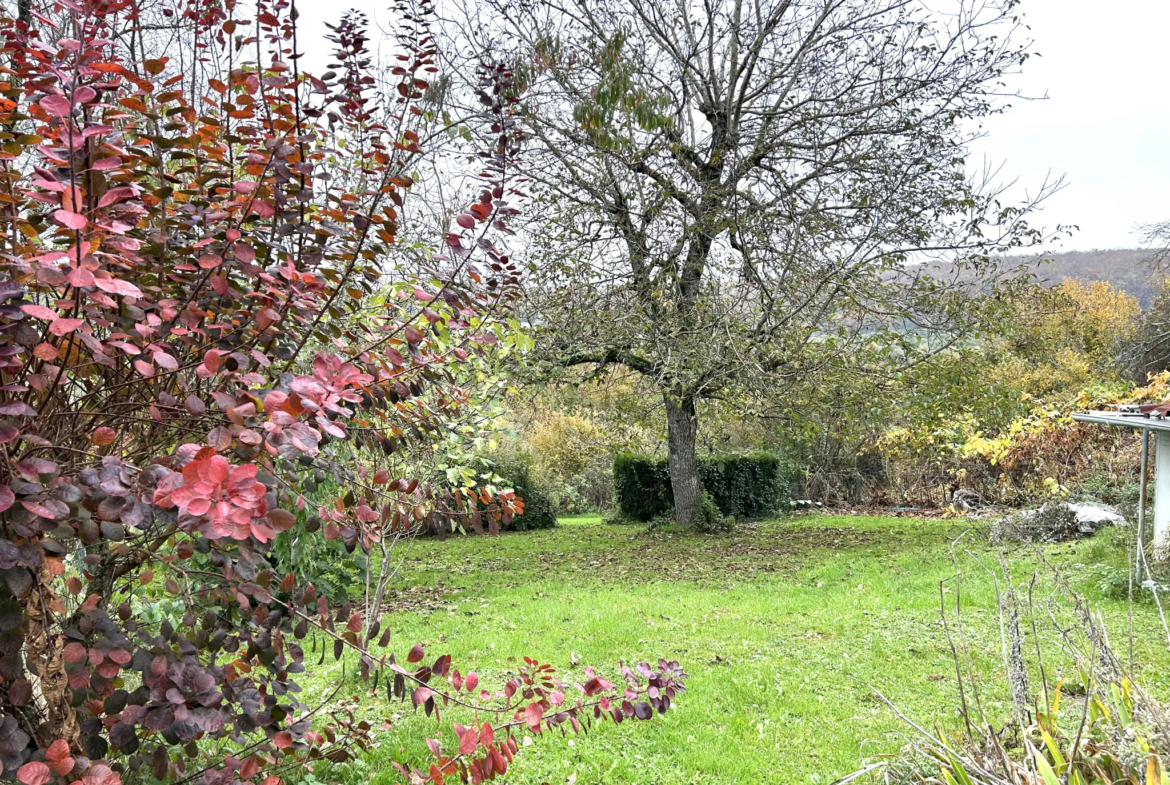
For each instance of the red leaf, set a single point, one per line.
(281, 520)
(117, 195)
(118, 286)
(46, 351)
(104, 436)
(195, 405)
(355, 623)
(468, 741)
(245, 253)
(39, 510)
(19, 692)
(413, 335)
(266, 317)
(34, 773)
(470, 682)
(165, 360)
(63, 327)
(466, 221)
(532, 716)
(56, 105)
(79, 276)
(250, 768)
(282, 739)
(70, 219)
(58, 757)
(416, 653)
(39, 312)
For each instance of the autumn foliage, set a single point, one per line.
(202, 299)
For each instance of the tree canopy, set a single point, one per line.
(737, 194)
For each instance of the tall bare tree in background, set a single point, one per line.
(739, 195)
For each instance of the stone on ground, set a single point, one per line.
(1055, 523)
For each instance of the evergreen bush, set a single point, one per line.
(741, 486)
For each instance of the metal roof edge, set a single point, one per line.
(1136, 421)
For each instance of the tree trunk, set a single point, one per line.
(684, 468)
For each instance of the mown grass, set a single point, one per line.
(782, 627)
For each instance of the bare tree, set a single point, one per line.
(739, 193)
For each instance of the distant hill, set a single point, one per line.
(1126, 269)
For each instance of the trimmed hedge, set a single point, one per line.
(539, 511)
(641, 486)
(742, 486)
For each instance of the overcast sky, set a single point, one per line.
(1104, 126)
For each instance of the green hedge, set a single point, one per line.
(641, 486)
(742, 486)
(539, 511)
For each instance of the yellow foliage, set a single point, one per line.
(1087, 319)
(566, 443)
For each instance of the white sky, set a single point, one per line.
(1104, 126)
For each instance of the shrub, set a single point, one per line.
(194, 322)
(539, 511)
(641, 485)
(745, 486)
(741, 486)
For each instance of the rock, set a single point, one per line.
(1097, 515)
(1055, 523)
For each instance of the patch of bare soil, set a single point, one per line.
(648, 556)
(419, 599)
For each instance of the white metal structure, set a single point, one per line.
(1161, 428)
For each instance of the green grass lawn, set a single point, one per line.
(781, 626)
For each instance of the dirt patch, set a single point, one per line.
(419, 599)
(762, 542)
(645, 556)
